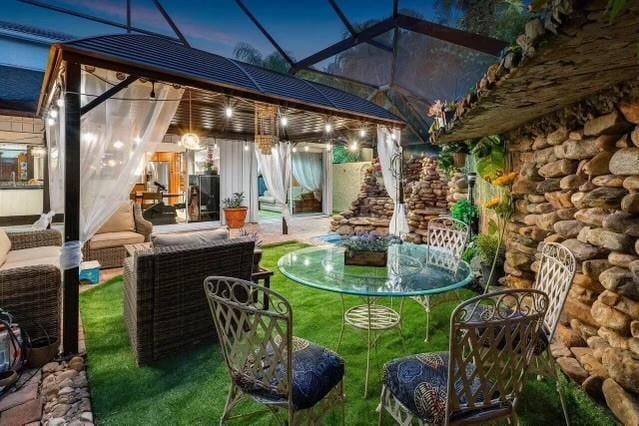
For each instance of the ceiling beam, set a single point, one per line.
(108, 94)
(96, 19)
(361, 37)
(473, 41)
(342, 16)
(265, 33)
(171, 23)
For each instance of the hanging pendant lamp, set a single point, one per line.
(190, 140)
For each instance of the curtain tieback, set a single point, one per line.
(71, 255)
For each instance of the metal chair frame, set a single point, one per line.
(256, 341)
(449, 235)
(488, 358)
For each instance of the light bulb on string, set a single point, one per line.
(329, 146)
(362, 132)
(284, 121)
(246, 147)
(118, 144)
(190, 140)
(294, 149)
(228, 112)
(306, 148)
(354, 146)
(328, 127)
(50, 121)
(53, 113)
(59, 102)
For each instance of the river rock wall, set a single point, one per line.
(578, 184)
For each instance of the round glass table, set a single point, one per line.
(416, 271)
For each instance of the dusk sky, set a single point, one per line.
(301, 26)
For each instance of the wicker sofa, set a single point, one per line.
(165, 308)
(30, 280)
(126, 226)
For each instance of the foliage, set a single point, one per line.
(342, 154)
(235, 201)
(370, 241)
(616, 8)
(490, 155)
(445, 160)
(465, 211)
(249, 54)
(244, 233)
(488, 246)
(470, 252)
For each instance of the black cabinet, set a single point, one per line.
(204, 197)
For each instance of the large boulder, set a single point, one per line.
(603, 197)
(607, 239)
(612, 181)
(594, 267)
(592, 216)
(621, 280)
(571, 182)
(548, 185)
(567, 228)
(630, 203)
(609, 317)
(572, 368)
(625, 162)
(598, 165)
(623, 367)
(584, 251)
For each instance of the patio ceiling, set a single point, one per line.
(589, 53)
(217, 81)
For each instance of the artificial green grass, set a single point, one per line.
(191, 387)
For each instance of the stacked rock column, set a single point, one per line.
(580, 186)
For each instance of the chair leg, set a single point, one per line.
(341, 331)
(380, 407)
(427, 309)
(231, 401)
(562, 397)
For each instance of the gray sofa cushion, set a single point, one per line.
(190, 238)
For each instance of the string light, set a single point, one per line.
(294, 149)
(306, 148)
(53, 113)
(137, 140)
(190, 140)
(283, 121)
(59, 102)
(393, 136)
(362, 133)
(228, 111)
(328, 127)
(329, 146)
(118, 144)
(246, 147)
(50, 121)
(354, 146)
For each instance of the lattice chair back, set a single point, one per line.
(556, 272)
(446, 239)
(256, 342)
(493, 337)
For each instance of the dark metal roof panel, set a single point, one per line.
(19, 89)
(162, 54)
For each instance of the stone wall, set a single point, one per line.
(578, 184)
(457, 189)
(371, 210)
(425, 195)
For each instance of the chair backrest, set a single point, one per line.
(446, 238)
(492, 339)
(554, 277)
(256, 342)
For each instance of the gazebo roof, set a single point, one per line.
(165, 60)
(576, 52)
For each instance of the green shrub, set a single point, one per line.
(465, 211)
(487, 248)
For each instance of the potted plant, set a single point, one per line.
(257, 252)
(491, 255)
(367, 249)
(234, 211)
(42, 351)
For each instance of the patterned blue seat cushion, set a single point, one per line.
(316, 370)
(420, 383)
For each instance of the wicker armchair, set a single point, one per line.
(32, 292)
(480, 378)
(111, 254)
(165, 309)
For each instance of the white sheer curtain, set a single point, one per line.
(238, 173)
(115, 137)
(389, 152)
(327, 187)
(307, 170)
(276, 170)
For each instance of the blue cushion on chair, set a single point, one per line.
(420, 383)
(316, 370)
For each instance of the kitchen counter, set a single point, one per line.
(21, 200)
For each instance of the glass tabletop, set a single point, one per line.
(412, 270)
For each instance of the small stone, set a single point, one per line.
(547, 185)
(603, 197)
(625, 162)
(558, 136)
(621, 259)
(559, 349)
(623, 367)
(610, 317)
(567, 228)
(594, 267)
(60, 410)
(634, 328)
(612, 123)
(587, 282)
(598, 165)
(572, 368)
(613, 338)
(592, 216)
(571, 182)
(558, 168)
(630, 203)
(631, 183)
(568, 336)
(630, 111)
(51, 367)
(593, 387)
(579, 310)
(57, 421)
(622, 280)
(598, 344)
(621, 403)
(607, 239)
(583, 251)
(558, 200)
(611, 181)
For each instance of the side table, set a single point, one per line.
(263, 274)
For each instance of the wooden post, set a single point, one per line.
(284, 226)
(71, 278)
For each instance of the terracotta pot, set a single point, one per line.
(42, 352)
(235, 218)
(459, 159)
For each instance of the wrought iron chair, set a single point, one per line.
(480, 378)
(446, 239)
(265, 362)
(556, 272)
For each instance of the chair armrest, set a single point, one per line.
(31, 239)
(142, 226)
